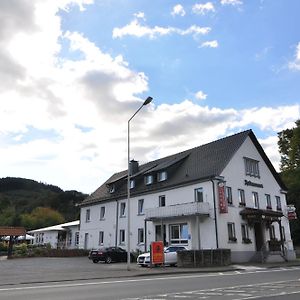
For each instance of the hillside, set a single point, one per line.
(19, 198)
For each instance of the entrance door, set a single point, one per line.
(160, 233)
(259, 239)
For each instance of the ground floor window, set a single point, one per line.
(179, 234)
(101, 237)
(272, 232)
(122, 236)
(140, 235)
(231, 232)
(245, 234)
(76, 238)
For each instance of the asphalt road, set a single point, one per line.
(277, 283)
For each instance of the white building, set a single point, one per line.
(225, 194)
(61, 236)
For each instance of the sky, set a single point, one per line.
(72, 73)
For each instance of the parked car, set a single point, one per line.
(109, 254)
(170, 256)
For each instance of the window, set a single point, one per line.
(132, 184)
(101, 237)
(70, 238)
(149, 179)
(122, 209)
(102, 212)
(231, 232)
(251, 167)
(268, 201)
(162, 176)
(283, 233)
(88, 215)
(199, 195)
(229, 195)
(255, 200)
(140, 206)
(162, 201)
(76, 238)
(140, 235)
(272, 232)
(112, 188)
(278, 203)
(245, 234)
(242, 200)
(122, 236)
(179, 234)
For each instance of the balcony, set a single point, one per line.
(178, 210)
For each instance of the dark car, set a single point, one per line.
(109, 254)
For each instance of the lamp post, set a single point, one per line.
(147, 101)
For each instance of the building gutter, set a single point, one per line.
(215, 212)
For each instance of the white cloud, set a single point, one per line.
(203, 8)
(210, 44)
(64, 121)
(200, 95)
(295, 64)
(140, 15)
(178, 10)
(231, 2)
(138, 30)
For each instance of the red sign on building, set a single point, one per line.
(157, 253)
(223, 207)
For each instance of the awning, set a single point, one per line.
(12, 231)
(257, 215)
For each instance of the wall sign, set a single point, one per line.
(223, 207)
(248, 182)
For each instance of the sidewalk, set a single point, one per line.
(42, 270)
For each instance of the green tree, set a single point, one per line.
(289, 147)
(41, 217)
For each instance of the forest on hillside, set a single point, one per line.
(32, 204)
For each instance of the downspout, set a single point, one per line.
(145, 235)
(215, 213)
(117, 223)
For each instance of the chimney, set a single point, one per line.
(133, 167)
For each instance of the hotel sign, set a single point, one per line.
(248, 182)
(223, 207)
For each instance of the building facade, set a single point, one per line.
(225, 194)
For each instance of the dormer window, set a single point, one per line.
(112, 188)
(149, 179)
(132, 184)
(162, 176)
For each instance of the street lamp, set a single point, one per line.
(147, 101)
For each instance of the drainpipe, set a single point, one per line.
(145, 235)
(117, 223)
(215, 213)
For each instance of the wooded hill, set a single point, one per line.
(32, 204)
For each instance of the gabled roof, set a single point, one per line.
(59, 227)
(200, 163)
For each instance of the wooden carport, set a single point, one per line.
(12, 232)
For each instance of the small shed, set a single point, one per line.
(12, 232)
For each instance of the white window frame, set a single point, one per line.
(141, 206)
(228, 192)
(162, 201)
(101, 238)
(268, 201)
(180, 239)
(255, 199)
(278, 203)
(162, 176)
(198, 192)
(141, 236)
(122, 209)
(148, 179)
(242, 198)
(231, 232)
(251, 167)
(87, 215)
(122, 237)
(102, 212)
(132, 183)
(245, 232)
(112, 188)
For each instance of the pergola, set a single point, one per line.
(12, 232)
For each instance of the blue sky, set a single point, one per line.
(74, 71)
